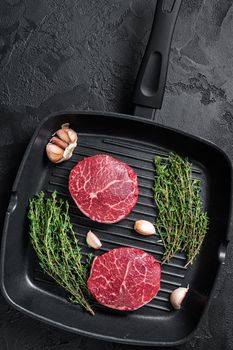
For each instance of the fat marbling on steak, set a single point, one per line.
(104, 188)
(124, 278)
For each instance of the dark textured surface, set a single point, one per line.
(85, 55)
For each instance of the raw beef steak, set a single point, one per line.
(103, 188)
(124, 278)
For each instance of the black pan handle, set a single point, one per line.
(151, 79)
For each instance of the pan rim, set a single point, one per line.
(115, 115)
(91, 334)
(129, 117)
(134, 118)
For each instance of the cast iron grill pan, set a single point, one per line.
(134, 140)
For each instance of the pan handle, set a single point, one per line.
(151, 79)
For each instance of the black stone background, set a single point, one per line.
(84, 54)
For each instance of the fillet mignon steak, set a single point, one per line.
(104, 188)
(124, 278)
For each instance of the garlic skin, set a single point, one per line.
(92, 240)
(72, 136)
(62, 144)
(63, 135)
(177, 297)
(144, 227)
(54, 152)
(68, 151)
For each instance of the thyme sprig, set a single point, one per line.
(57, 248)
(181, 221)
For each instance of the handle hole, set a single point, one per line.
(150, 80)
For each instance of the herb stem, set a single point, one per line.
(57, 248)
(181, 221)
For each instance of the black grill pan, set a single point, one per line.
(134, 140)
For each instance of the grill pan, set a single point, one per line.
(134, 140)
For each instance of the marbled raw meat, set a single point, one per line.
(124, 278)
(104, 188)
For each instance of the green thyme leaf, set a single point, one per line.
(181, 221)
(57, 248)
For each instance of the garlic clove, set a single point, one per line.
(92, 240)
(177, 297)
(72, 135)
(144, 227)
(69, 151)
(60, 143)
(65, 139)
(62, 134)
(54, 152)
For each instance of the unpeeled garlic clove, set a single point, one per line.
(144, 227)
(65, 139)
(92, 240)
(60, 143)
(67, 134)
(177, 297)
(72, 135)
(63, 135)
(68, 151)
(54, 152)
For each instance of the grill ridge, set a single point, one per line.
(173, 273)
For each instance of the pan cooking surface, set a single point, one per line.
(140, 158)
(135, 142)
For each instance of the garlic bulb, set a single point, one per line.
(62, 144)
(144, 227)
(92, 240)
(177, 297)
